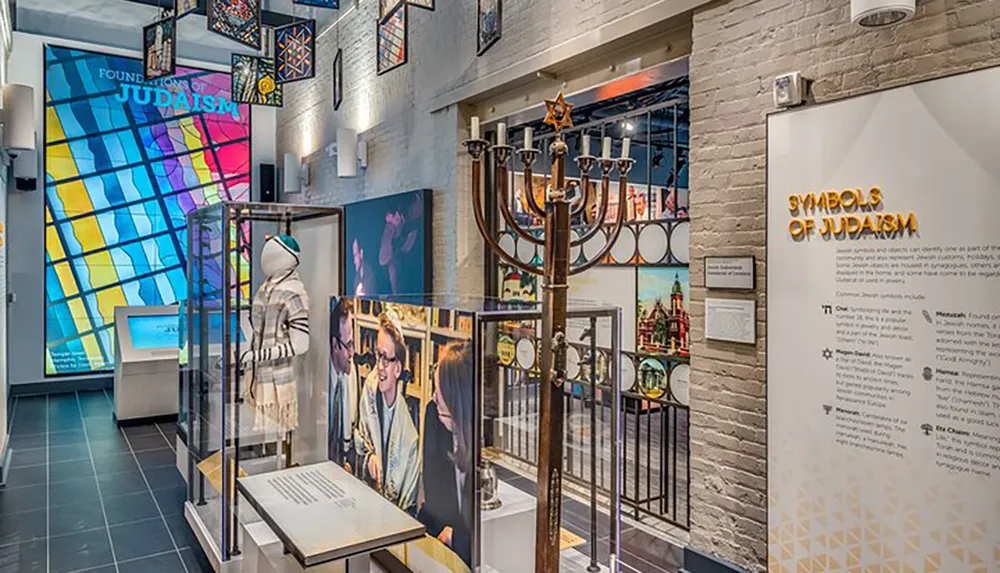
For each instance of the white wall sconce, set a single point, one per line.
(880, 13)
(295, 174)
(351, 153)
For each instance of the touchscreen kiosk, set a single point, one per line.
(146, 371)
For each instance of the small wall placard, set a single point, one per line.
(733, 273)
(731, 320)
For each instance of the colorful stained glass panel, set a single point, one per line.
(159, 53)
(237, 20)
(489, 28)
(253, 81)
(392, 41)
(295, 51)
(184, 7)
(125, 162)
(386, 8)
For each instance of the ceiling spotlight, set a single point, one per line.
(627, 126)
(879, 13)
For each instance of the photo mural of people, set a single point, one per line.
(385, 437)
(448, 452)
(387, 242)
(421, 460)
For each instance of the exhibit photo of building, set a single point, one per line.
(499, 286)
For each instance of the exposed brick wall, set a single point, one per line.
(738, 48)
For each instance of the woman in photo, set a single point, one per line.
(448, 452)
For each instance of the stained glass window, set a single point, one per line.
(125, 162)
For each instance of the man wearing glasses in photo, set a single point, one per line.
(343, 391)
(385, 438)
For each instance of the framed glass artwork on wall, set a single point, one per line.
(338, 79)
(490, 14)
(425, 4)
(159, 53)
(253, 81)
(184, 7)
(295, 51)
(238, 20)
(392, 41)
(387, 7)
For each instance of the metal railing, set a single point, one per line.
(655, 440)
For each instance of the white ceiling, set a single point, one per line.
(118, 23)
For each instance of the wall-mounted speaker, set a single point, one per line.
(268, 183)
(18, 118)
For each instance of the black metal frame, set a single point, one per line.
(312, 50)
(233, 214)
(480, 48)
(211, 25)
(146, 47)
(406, 39)
(617, 477)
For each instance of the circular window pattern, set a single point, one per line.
(572, 363)
(680, 242)
(652, 378)
(575, 251)
(525, 251)
(680, 379)
(505, 350)
(653, 243)
(507, 243)
(628, 373)
(624, 248)
(593, 246)
(525, 353)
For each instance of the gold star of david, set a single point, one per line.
(559, 113)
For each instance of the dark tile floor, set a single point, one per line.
(641, 551)
(84, 495)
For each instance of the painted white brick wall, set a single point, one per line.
(738, 48)
(408, 146)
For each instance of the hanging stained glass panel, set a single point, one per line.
(253, 81)
(392, 41)
(425, 4)
(159, 54)
(386, 8)
(489, 26)
(237, 20)
(338, 79)
(184, 7)
(295, 51)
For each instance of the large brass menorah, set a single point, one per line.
(558, 211)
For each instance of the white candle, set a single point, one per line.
(606, 152)
(501, 134)
(474, 131)
(625, 145)
(586, 144)
(529, 136)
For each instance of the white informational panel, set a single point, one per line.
(884, 331)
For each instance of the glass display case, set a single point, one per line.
(254, 353)
(434, 403)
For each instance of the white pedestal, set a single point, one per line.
(508, 537)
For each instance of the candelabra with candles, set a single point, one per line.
(557, 212)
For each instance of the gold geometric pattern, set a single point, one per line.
(835, 514)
